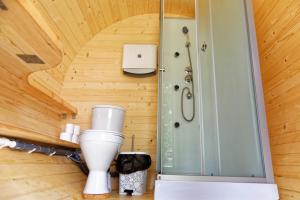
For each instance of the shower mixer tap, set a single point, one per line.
(188, 70)
(188, 78)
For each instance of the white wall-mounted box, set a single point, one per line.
(139, 58)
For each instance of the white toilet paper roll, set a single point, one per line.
(75, 139)
(76, 130)
(69, 128)
(66, 136)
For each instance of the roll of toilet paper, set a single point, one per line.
(76, 130)
(66, 136)
(75, 137)
(69, 128)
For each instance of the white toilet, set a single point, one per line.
(100, 145)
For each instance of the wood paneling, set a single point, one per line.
(25, 111)
(179, 8)
(22, 38)
(35, 176)
(75, 22)
(278, 33)
(96, 77)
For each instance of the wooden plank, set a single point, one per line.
(278, 25)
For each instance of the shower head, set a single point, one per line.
(185, 30)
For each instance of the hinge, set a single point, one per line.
(162, 69)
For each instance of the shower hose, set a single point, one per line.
(188, 44)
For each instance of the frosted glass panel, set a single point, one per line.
(229, 98)
(181, 147)
(223, 139)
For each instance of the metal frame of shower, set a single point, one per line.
(260, 108)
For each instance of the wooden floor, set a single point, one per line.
(115, 196)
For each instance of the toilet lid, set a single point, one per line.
(109, 106)
(89, 131)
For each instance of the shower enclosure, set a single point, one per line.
(211, 124)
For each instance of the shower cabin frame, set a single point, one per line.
(260, 107)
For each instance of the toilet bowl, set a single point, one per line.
(99, 147)
(107, 117)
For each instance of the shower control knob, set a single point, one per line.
(176, 124)
(176, 54)
(176, 87)
(188, 70)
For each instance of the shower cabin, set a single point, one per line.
(212, 133)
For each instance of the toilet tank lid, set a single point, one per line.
(109, 106)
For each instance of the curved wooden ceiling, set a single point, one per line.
(75, 22)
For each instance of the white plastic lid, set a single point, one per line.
(102, 132)
(109, 106)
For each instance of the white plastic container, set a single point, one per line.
(139, 58)
(135, 182)
(69, 128)
(107, 117)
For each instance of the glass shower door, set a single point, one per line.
(224, 139)
(231, 129)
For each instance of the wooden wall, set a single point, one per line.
(24, 111)
(179, 8)
(92, 35)
(74, 23)
(278, 33)
(95, 77)
(36, 176)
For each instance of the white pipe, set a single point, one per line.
(4, 142)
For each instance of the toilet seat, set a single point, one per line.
(102, 135)
(102, 132)
(108, 106)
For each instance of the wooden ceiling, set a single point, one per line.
(75, 22)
